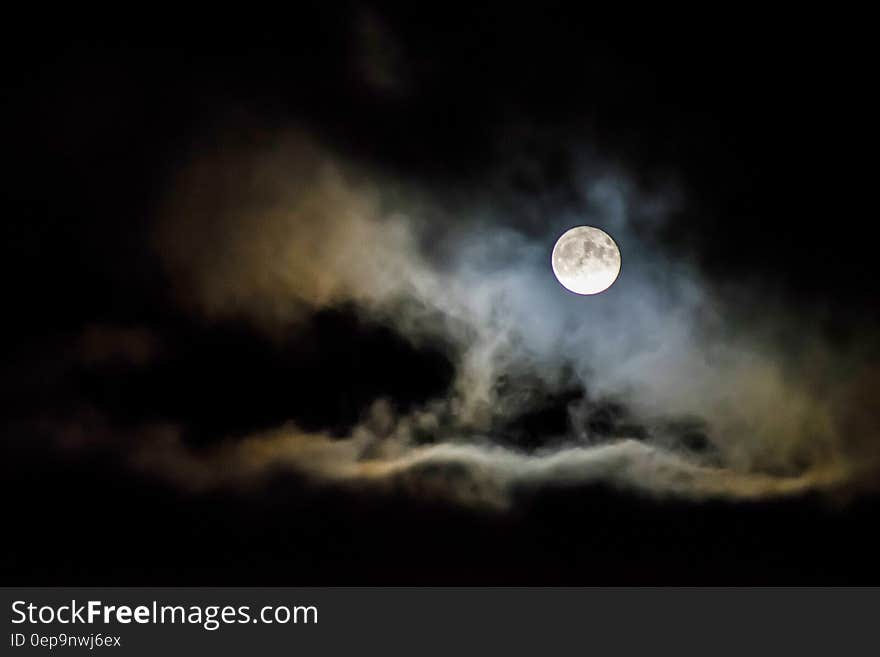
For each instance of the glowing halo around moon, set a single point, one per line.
(586, 260)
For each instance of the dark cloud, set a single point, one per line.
(326, 337)
(263, 267)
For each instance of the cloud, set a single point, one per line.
(275, 233)
(275, 230)
(480, 474)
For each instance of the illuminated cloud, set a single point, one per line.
(275, 231)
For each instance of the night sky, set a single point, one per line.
(279, 306)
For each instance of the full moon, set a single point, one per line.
(586, 260)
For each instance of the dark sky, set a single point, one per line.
(759, 116)
(759, 119)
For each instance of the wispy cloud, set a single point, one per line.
(273, 233)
